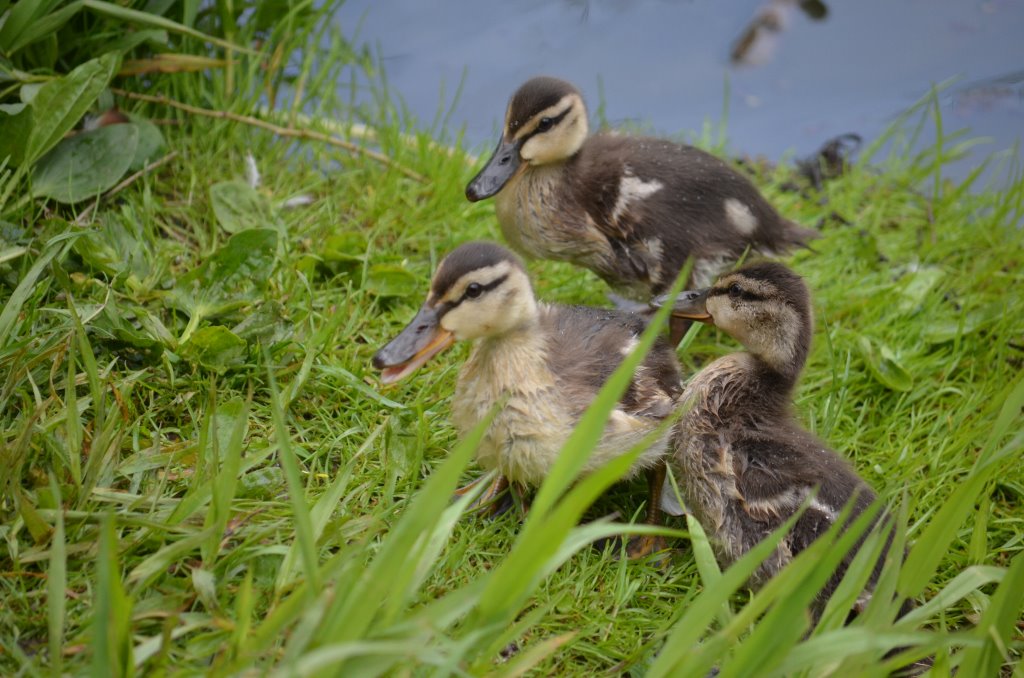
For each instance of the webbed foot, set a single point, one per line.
(495, 499)
(644, 545)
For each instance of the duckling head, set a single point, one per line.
(765, 306)
(480, 290)
(545, 123)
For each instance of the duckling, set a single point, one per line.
(745, 463)
(544, 363)
(629, 208)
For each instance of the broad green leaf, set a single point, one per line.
(61, 103)
(915, 287)
(113, 328)
(884, 365)
(266, 325)
(228, 279)
(940, 331)
(86, 164)
(348, 246)
(238, 206)
(15, 128)
(386, 280)
(261, 484)
(215, 347)
(117, 249)
(151, 143)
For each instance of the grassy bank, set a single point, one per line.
(200, 472)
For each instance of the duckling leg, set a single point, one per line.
(677, 328)
(488, 502)
(646, 544)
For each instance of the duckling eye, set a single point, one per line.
(474, 290)
(735, 291)
(545, 124)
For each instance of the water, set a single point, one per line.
(665, 64)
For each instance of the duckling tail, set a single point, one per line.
(796, 235)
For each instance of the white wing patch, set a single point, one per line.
(631, 189)
(740, 216)
(707, 269)
(821, 507)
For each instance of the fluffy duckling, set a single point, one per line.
(629, 208)
(745, 464)
(543, 362)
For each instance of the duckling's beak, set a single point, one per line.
(420, 341)
(689, 305)
(499, 169)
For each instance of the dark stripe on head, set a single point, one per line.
(745, 295)
(484, 289)
(471, 256)
(787, 285)
(534, 96)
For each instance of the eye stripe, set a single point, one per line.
(744, 294)
(447, 306)
(554, 121)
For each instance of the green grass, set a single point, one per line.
(269, 507)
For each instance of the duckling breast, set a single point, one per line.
(540, 218)
(530, 421)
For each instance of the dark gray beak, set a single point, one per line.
(420, 341)
(496, 173)
(689, 305)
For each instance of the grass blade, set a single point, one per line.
(56, 583)
(296, 490)
(998, 623)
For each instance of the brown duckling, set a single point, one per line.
(629, 208)
(543, 362)
(745, 464)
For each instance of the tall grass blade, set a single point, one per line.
(934, 541)
(25, 287)
(296, 489)
(56, 584)
(998, 624)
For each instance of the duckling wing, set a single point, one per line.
(776, 472)
(658, 202)
(586, 344)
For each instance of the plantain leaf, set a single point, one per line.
(86, 164)
(229, 279)
(216, 348)
(61, 103)
(238, 206)
(151, 143)
(884, 366)
(386, 280)
(916, 286)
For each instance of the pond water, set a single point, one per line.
(815, 70)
